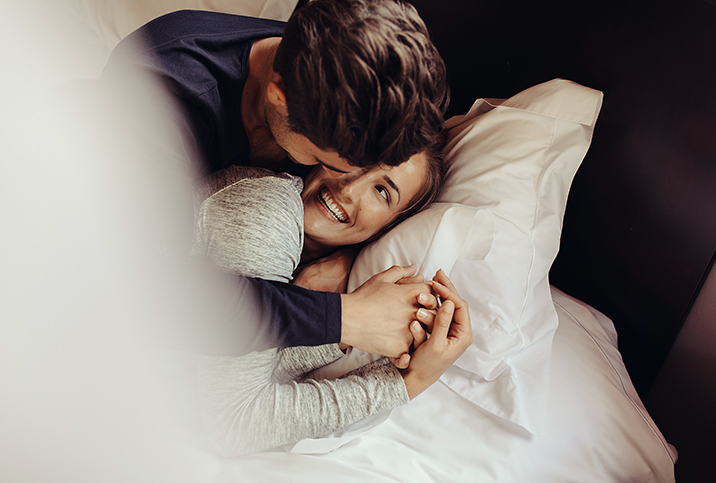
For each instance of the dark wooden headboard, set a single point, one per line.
(640, 227)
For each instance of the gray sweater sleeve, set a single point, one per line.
(258, 402)
(252, 224)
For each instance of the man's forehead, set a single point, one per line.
(337, 164)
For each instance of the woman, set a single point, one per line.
(253, 227)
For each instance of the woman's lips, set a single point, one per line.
(325, 198)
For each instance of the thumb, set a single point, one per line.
(443, 320)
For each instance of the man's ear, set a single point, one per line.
(275, 93)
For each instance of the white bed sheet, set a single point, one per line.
(596, 429)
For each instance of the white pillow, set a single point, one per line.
(513, 161)
(440, 234)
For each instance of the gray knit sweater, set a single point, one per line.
(251, 223)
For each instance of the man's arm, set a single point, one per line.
(375, 318)
(300, 317)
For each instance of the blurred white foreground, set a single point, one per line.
(79, 395)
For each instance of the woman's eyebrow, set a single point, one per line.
(390, 183)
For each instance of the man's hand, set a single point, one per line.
(377, 316)
(450, 337)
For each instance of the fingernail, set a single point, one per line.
(422, 298)
(422, 314)
(415, 325)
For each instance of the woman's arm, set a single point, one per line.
(256, 402)
(260, 401)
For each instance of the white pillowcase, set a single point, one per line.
(440, 234)
(513, 162)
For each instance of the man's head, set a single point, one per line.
(362, 80)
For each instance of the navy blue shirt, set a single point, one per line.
(203, 60)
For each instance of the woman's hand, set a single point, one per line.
(327, 274)
(451, 336)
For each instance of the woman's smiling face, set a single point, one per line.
(353, 207)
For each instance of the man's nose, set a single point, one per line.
(331, 172)
(351, 183)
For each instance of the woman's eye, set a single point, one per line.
(384, 193)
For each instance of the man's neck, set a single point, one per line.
(253, 97)
(264, 150)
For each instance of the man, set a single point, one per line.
(345, 83)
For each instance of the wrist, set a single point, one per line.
(347, 332)
(413, 383)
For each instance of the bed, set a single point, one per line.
(563, 239)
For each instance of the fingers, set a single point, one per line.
(428, 300)
(461, 329)
(442, 277)
(414, 279)
(427, 317)
(402, 362)
(442, 320)
(447, 291)
(395, 273)
(419, 334)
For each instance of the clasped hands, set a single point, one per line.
(397, 314)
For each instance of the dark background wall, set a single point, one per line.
(640, 227)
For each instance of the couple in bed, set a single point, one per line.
(357, 88)
(262, 224)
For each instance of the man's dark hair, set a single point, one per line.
(362, 78)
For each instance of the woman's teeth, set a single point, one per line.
(333, 208)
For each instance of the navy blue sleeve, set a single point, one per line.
(228, 315)
(300, 316)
